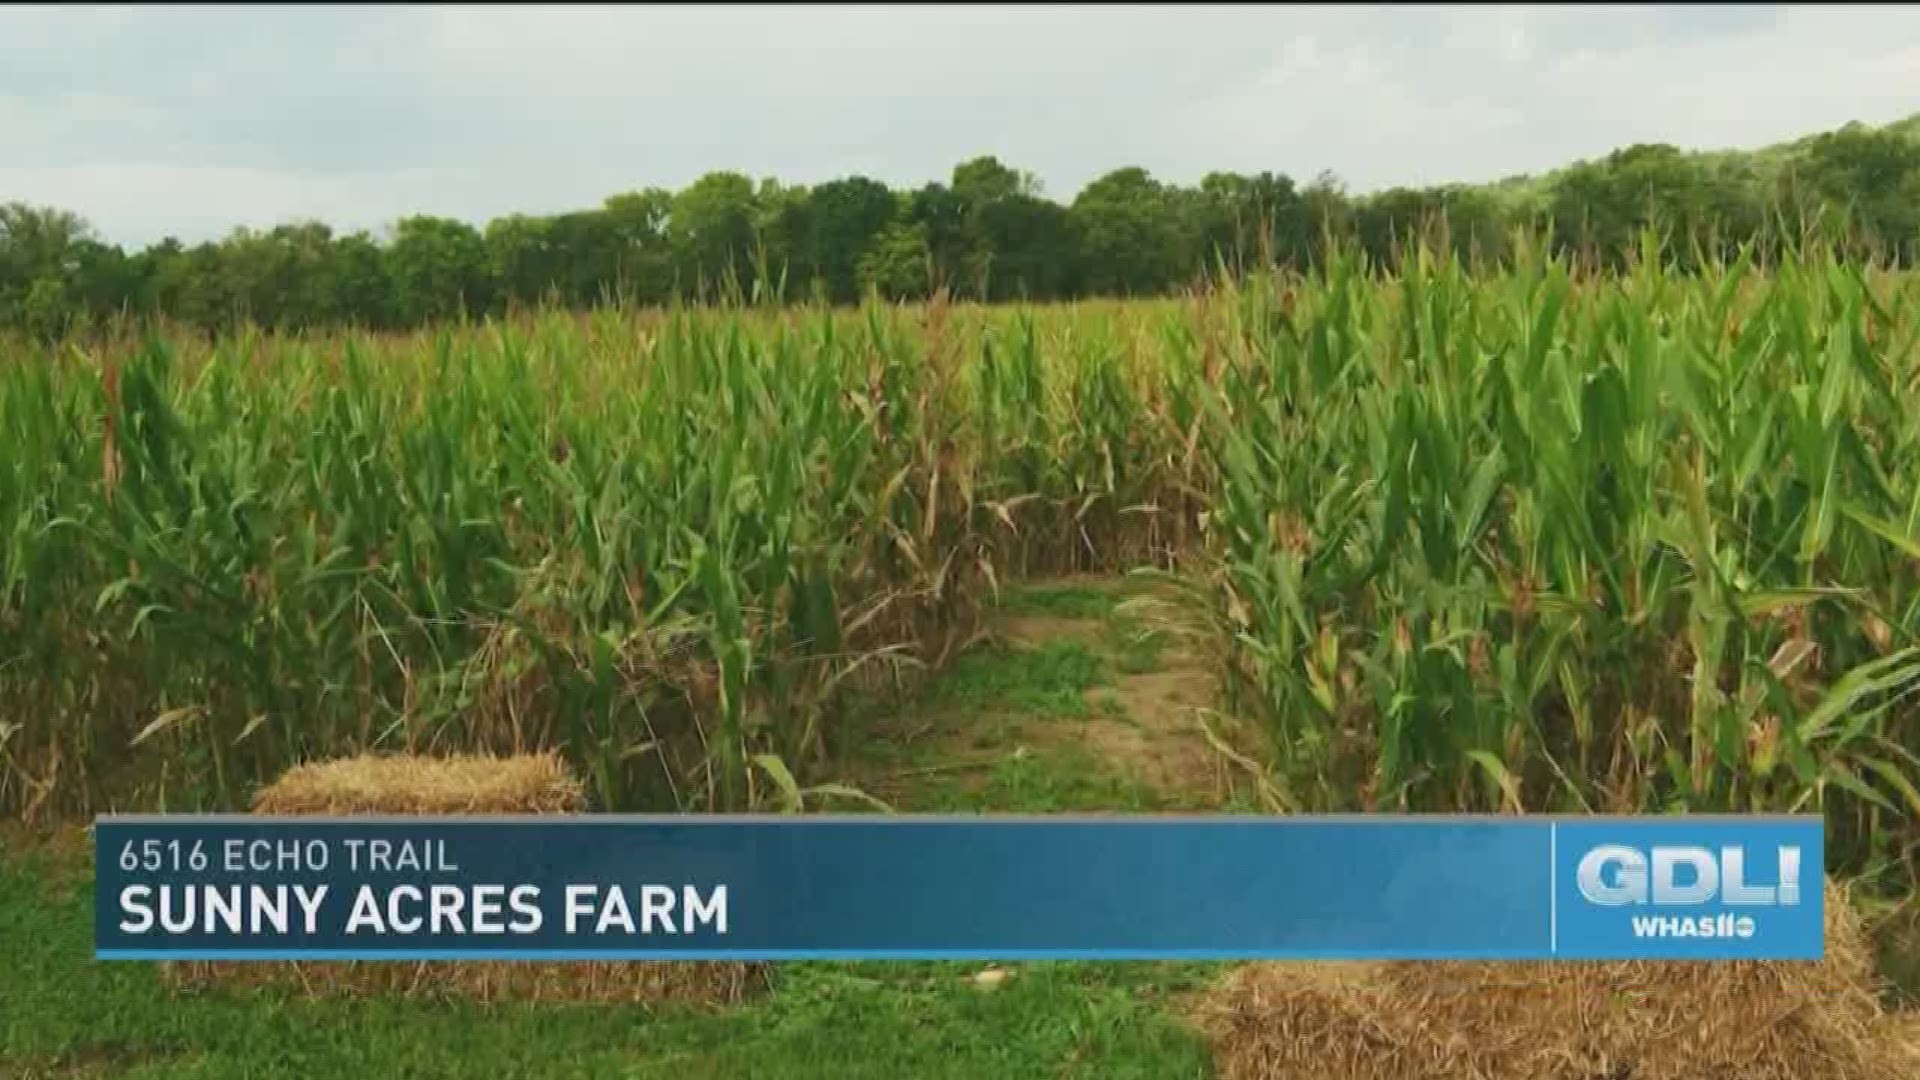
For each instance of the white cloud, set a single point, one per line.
(191, 120)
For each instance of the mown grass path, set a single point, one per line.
(1072, 700)
(1080, 694)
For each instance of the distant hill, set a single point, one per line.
(1516, 192)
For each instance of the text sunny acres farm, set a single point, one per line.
(395, 906)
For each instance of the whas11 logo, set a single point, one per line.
(1617, 875)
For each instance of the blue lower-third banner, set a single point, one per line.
(723, 887)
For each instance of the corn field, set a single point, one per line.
(1465, 540)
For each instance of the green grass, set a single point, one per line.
(63, 1014)
(1131, 648)
(1050, 680)
(1060, 601)
(976, 737)
(1058, 779)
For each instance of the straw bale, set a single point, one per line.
(1330, 1021)
(461, 784)
(1666, 1020)
(406, 785)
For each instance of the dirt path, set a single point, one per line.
(1145, 721)
(1081, 693)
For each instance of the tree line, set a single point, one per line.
(988, 233)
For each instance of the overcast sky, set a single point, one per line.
(189, 121)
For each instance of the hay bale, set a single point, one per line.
(1333, 1021)
(1902, 1035)
(406, 785)
(461, 784)
(1672, 1020)
(1640, 1020)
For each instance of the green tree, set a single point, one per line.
(38, 256)
(439, 269)
(183, 283)
(103, 282)
(942, 217)
(1477, 223)
(897, 264)
(1128, 227)
(1385, 221)
(588, 254)
(520, 257)
(1027, 250)
(711, 229)
(1601, 208)
(45, 311)
(985, 179)
(846, 217)
(989, 233)
(996, 203)
(1248, 221)
(1325, 212)
(1874, 175)
(638, 223)
(786, 264)
(357, 284)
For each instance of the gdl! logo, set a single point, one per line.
(1669, 875)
